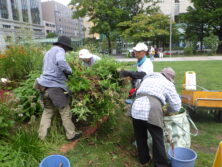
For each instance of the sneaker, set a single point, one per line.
(77, 136)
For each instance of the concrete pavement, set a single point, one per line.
(194, 58)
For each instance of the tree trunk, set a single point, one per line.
(219, 50)
(201, 38)
(109, 43)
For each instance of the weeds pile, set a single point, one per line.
(96, 91)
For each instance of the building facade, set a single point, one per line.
(61, 16)
(19, 16)
(87, 26)
(174, 7)
(49, 27)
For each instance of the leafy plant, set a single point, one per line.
(188, 50)
(19, 61)
(23, 149)
(96, 90)
(211, 42)
(28, 98)
(6, 120)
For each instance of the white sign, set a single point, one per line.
(190, 80)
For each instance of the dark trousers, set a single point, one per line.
(159, 153)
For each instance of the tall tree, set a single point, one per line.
(107, 14)
(144, 27)
(196, 27)
(209, 14)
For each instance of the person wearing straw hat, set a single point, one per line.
(155, 91)
(53, 91)
(88, 58)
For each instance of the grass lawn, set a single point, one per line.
(112, 147)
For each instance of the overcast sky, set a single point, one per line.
(64, 2)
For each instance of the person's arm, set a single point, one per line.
(174, 100)
(132, 74)
(62, 64)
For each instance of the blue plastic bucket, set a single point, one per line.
(55, 161)
(183, 157)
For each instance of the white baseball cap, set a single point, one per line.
(141, 47)
(85, 54)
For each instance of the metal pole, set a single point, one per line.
(171, 12)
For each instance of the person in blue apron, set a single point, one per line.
(53, 91)
(155, 91)
(88, 58)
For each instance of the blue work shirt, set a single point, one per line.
(54, 69)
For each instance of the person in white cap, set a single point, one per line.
(156, 90)
(144, 65)
(88, 58)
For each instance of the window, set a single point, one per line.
(25, 10)
(37, 30)
(15, 12)
(6, 26)
(177, 1)
(3, 9)
(35, 11)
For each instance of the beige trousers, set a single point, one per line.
(66, 116)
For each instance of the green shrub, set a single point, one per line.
(6, 120)
(188, 51)
(211, 42)
(24, 149)
(28, 98)
(19, 61)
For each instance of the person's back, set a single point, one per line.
(53, 68)
(88, 58)
(92, 61)
(157, 85)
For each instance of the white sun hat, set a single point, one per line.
(85, 54)
(141, 47)
(169, 73)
